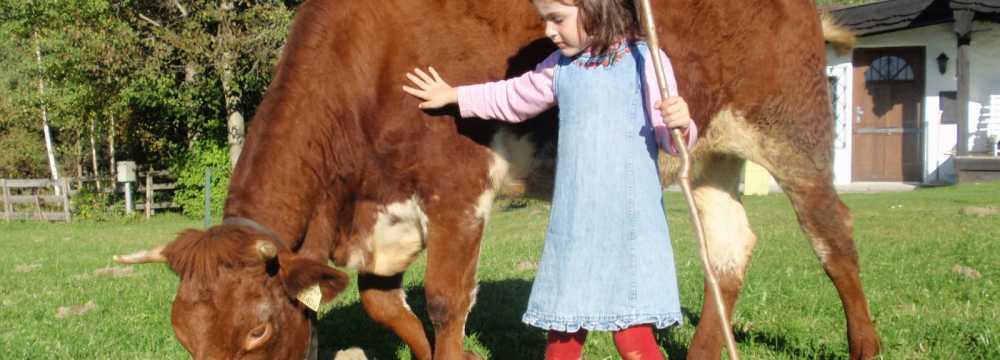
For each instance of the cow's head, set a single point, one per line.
(237, 298)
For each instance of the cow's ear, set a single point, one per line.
(303, 277)
(179, 254)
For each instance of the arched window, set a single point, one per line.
(889, 68)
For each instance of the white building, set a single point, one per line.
(901, 100)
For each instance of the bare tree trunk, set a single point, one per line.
(53, 166)
(79, 160)
(111, 151)
(93, 153)
(235, 122)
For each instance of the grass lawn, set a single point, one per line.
(910, 244)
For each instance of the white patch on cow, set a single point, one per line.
(727, 233)
(402, 299)
(354, 353)
(728, 236)
(483, 205)
(496, 174)
(473, 295)
(472, 302)
(397, 238)
(500, 166)
(820, 249)
(356, 260)
(731, 133)
(264, 310)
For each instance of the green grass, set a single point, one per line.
(908, 242)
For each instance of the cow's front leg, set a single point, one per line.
(450, 281)
(385, 302)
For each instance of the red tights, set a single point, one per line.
(633, 343)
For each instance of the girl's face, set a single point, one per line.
(562, 26)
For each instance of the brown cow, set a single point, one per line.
(341, 165)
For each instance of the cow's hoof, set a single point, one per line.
(464, 355)
(471, 356)
(865, 347)
(350, 354)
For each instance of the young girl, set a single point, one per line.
(607, 262)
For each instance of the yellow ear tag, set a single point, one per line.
(311, 297)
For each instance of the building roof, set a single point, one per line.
(892, 15)
(979, 6)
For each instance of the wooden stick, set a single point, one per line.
(149, 193)
(150, 21)
(65, 200)
(654, 50)
(7, 207)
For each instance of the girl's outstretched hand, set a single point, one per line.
(675, 112)
(431, 89)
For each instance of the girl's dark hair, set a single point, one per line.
(607, 22)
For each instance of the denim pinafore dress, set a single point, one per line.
(607, 262)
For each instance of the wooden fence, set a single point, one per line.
(30, 199)
(33, 199)
(150, 188)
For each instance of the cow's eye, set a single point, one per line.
(258, 332)
(257, 337)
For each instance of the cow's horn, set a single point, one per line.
(266, 249)
(142, 257)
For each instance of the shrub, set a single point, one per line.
(89, 204)
(190, 171)
(22, 154)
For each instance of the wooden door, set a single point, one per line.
(888, 103)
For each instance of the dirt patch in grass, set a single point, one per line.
(25, 268)
(980, 211)
(110, 271)
(966, 272)
(75, 310)
(526, 265)
(115, 271)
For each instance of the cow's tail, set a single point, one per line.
(842, 39)
(530, 165)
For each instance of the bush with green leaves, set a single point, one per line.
(22, 154)
(89, 204)
(190, 172)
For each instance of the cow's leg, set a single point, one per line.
(385, 302)
(729, 241)
(450, 282)
(827, 222)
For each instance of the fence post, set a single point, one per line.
(129, 206)
(7, 207)
(208, 197)
(65, 198)
(149, 193)
(38, 202)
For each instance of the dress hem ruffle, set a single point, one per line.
(599, 323)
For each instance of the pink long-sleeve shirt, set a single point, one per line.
(524, 97)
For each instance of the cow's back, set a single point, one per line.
(335, 106)
(759, 62)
